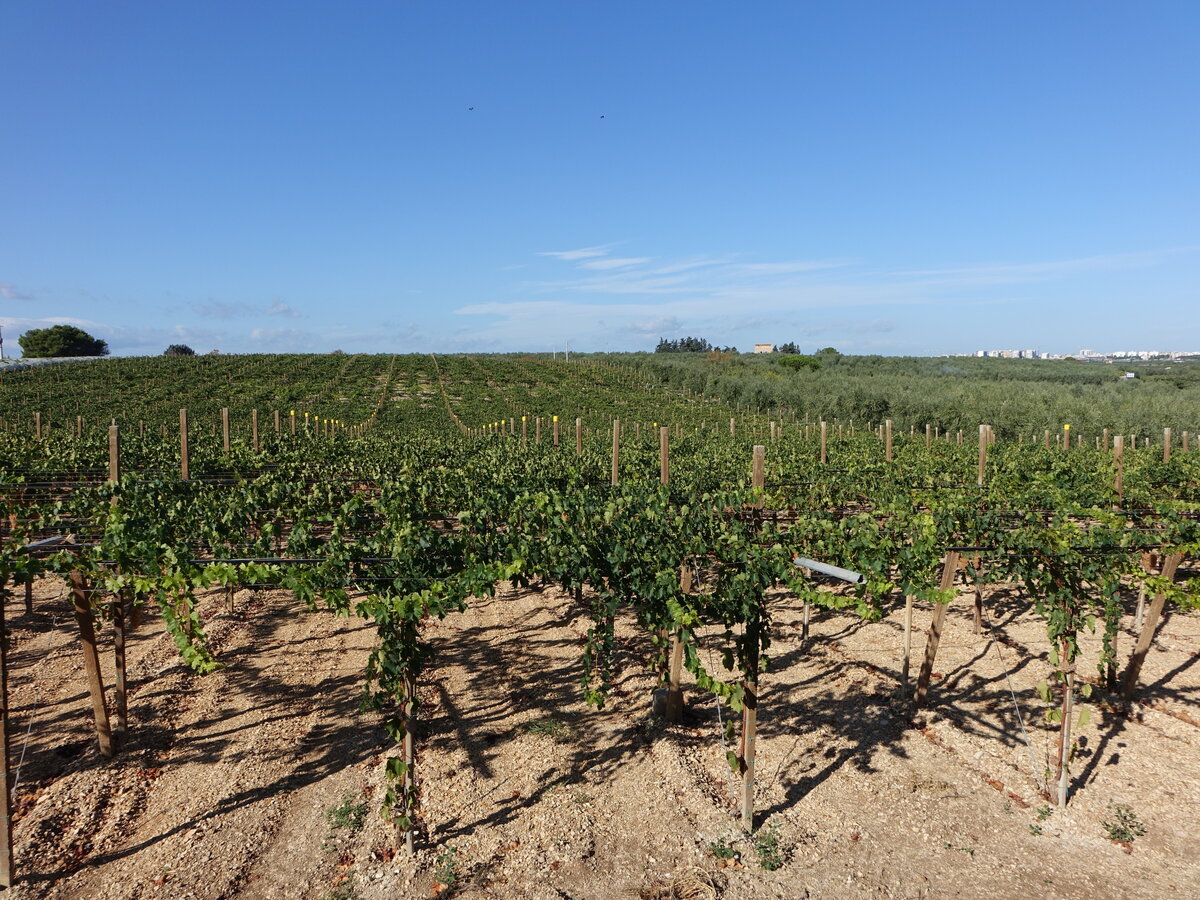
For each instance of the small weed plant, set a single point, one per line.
(722, 849)
(346, 890)
(446, 871)
(349, 815)
(1124, 825)
(769, 848)
(550, 727)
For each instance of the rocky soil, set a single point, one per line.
(263, 779)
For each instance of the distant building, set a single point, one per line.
(764, 348)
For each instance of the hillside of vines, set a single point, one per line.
(517, 558)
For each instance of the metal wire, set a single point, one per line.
(1040, 782)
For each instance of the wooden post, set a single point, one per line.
(1066, 437)
(908, 623)
(554, 424)
(825, 443)
(960, 436)
(537, 430)
(91, 661)
(674, 710)
(79, 426)
(184, 465)
(1104, 440)
(731, 426)
(983, 443)
(949, 567)
(292, 421)
(254, 429)
(122, 693)
(928, 435)
(37, 426)
(410, 759)
(616, 453)
(1064, 734)
(1166, 445)
(749, 723)
(6, 841)
(1119, 462)
(1046, 440)
(277, 423)
(887, 439)
(664, 460)
(1146, 636)
(1185, 442)
(758, 471)
(524, 429)
(114, 454)
(578, 436)
(225, 428)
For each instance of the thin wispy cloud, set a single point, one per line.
(734, 299)
(279, 308)
(218, 309)
(619, 275)
(581, 253)
(8, 291)
(222, 310)
(615, 262)
(689, 264)
(18, 323)
(283, 339)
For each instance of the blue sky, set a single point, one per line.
(883, 177)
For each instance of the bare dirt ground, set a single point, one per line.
(262, 780)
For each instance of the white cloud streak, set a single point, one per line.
(729, 298)
(279, 308)
(8, 291)
(576, 255)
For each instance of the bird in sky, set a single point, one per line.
(470, 109)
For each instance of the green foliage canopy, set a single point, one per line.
(60, 340)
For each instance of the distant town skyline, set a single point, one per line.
(1087, 354)
(917, 178)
